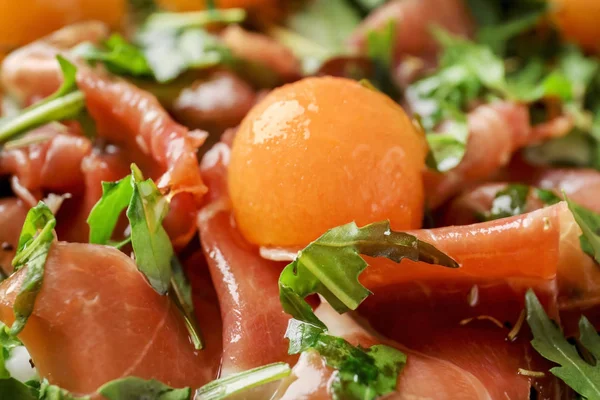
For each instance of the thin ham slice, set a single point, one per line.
(253, 320)
(97, 319)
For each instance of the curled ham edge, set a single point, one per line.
(112, 101)
(216, 160)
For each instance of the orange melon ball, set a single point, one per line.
(191, 5)
(578, 21)
(24, 21)
(322, 152)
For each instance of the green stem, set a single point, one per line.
(196, 19)
(57, 109)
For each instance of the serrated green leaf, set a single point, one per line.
(589, 223)
(35, 241)
(550, 342)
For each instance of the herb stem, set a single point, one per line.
(224, 387)
(196, 19)
(57, 109)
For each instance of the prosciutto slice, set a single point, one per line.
(97, 319)
(253, 321)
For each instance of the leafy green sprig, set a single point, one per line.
(154, 254)
(549, 341)
(330, 266)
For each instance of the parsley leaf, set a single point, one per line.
(236, 383)
(36, 238)
(66, 103)
(550, 342)
(589, 223)
(133, 388)
(361, 373)
(331, 265)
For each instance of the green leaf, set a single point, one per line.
(508, 202)
(447, 148)
(118, 56)
(328, 23)
(7, 344)
(132, 388)
(171, 52)
(53, 392)
(194, 19)
(589, 223)
(182, 295)
(104, 216)
(36, 238)
(550, 342)
(237, 383)
(12, 389)
(380, 50)
(151, 244)
(154, 254)
(331, 265)
(361, 373)
(547, 196)
(66, 103)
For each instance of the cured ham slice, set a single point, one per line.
(414, 19)
(253, 320)
(51, 163)
(97, 319)
(496, 131)
(130, 118)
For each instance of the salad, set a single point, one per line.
(303, 199)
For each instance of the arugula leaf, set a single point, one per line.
(36, 238)
(53, 392)
(171, 52)
(328, 23)
(466, 72)
(380, 50)
(236, 383)
(118, 56)
(550, 342)
(361, 373)
(66, 103)
(12, 389)
(589, 223)
(331, 265)
(154, 254)
(133, 388)
(7, 344)
(152, 247)
(104, 216)
(508, 202)
(547, 196)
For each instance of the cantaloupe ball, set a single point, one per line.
(578, 21)
(24, 21)
(322, 152)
